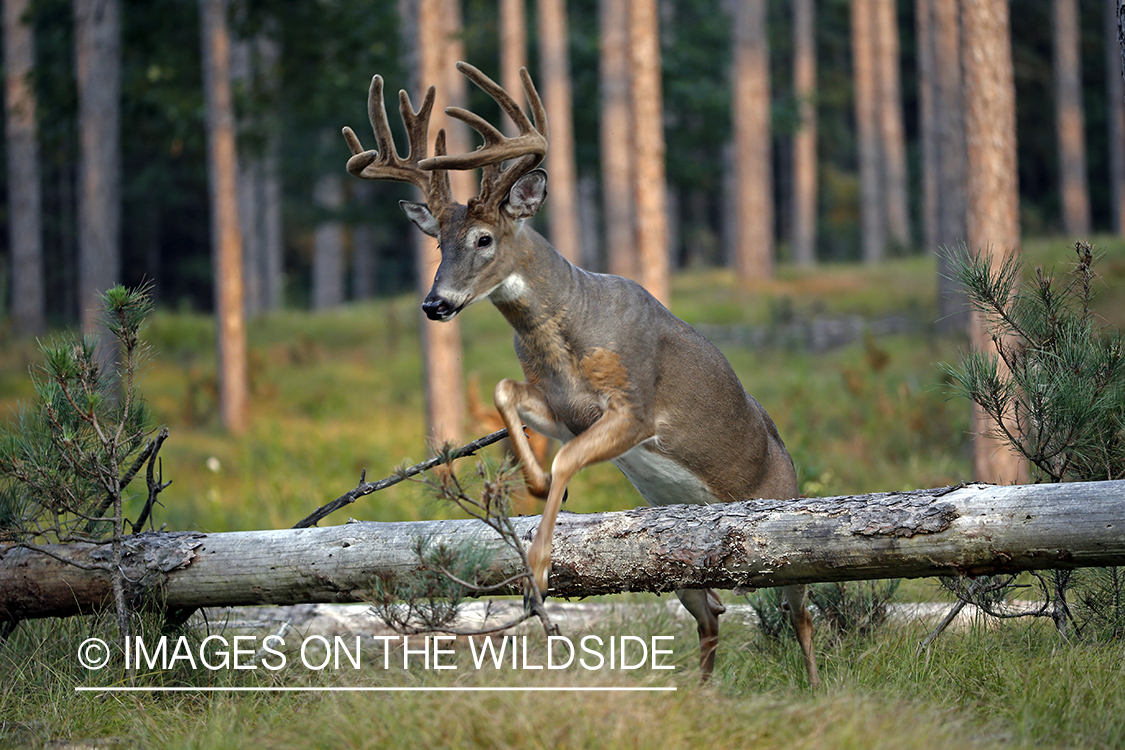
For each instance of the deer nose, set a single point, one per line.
(436, 308)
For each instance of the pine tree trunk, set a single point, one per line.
(1070, 120)
(618, 150)
(648, 127)
(992, 218)
(441, 342)
(226, 240)
(873, 227)
(25, 231)
(927, 120)
(753, 167)
(892, 139)
(247, 179)
(272, 249)
(513, 51)
(365, 243)
(328, 244)
(949, 155)
(97, 31)
(1115, 103)
(554, 77)
(804, 140)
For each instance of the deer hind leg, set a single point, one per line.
(793, 604)
(705, 606)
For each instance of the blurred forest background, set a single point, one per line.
(196, 146)
(300, 72)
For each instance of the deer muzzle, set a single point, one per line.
(439, 308)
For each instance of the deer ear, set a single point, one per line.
(527, 195)
(420, 214)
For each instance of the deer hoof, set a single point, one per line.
(528, 596)
(529, 590)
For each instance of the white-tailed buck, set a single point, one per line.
(609, 371)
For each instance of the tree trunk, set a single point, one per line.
(1070, 121)
(649, 189)
(927, 120)
(616, 129)
(254, 68)
(441, 342)
(804, 140)
(872, 212)
(97, 56)
(753, 167)
(892, 140)
(1115, 103)
(272, 247)
(226, 240)
(366, 238)
(328, 244)
(249, 180)
(975, 530)
(273, 240)
(554, 74)
(947, 126)
(513, 51)
(992, 219)
(25, 230)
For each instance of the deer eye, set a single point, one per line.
(485, 240)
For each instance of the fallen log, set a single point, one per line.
(971, 530)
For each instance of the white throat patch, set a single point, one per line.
(510, 289)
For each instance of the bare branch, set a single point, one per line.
(366, 488)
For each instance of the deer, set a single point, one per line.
(608, 370)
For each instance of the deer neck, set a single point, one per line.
(540, 289)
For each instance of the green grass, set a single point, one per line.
(1016, 687)
(336, 393)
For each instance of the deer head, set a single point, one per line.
(474, 238)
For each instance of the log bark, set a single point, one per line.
(973, 530)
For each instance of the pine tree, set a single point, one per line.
(1060, 405)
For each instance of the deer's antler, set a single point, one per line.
(528, 148)
(384, 163)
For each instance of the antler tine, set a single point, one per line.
(538, 111)
(498, 94)
(384, 162)
(417, 123)
(441, 193)
(497, 148)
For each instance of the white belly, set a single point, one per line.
(660, 480)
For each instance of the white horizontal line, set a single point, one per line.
(367, 689)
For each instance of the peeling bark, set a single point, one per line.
(973, 530)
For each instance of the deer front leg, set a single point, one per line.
(511, 397)
(615, 432)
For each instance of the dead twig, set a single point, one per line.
(366, 488)
(155, 484)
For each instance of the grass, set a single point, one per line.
(336, 393)
(1016, 687)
